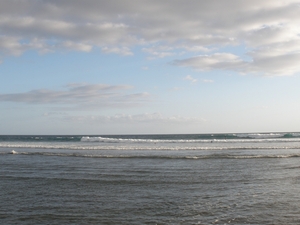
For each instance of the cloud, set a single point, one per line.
(159, 52)
(81, 95)
(46, 114)
(221, 61)
(270, 65)
(160, 29)
(176, 89)
(117, 50)
(207, 81)
(190, 78)
(162, 51)
(77, 46)
(138, 118)
(280, 65)
(59, 34)
(11, 45)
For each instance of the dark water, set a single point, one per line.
(142, 186)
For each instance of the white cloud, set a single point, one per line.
(11, 45)
(176, 89)
(207, 81)
(159, 52)
(77, 46)
(138, 118)
(162, 51)
(195, 48)
(267, 28)
(46, 114)
(117, 50)
(81, 95)
(221, 61)
(190, 78)
(269, 65)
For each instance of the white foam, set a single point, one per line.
(118, 146)
(159, 155)
(267, 135)
(256, 139)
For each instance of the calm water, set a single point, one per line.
(174, 179)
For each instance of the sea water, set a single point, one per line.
(150, 179)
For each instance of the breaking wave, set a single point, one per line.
(195, 157)
(145, 147)
(238, 139)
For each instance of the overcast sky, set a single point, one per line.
(149, 66)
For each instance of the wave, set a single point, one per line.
(195, 157)
(269, 135)
(153, 147)
(150, 138)
(242, 139)
(40, 138)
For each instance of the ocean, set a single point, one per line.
(249, 178)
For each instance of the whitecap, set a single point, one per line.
(13, 152)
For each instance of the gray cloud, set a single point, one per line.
(269, 65)
(160, 27)
(81, 95)
(222, 61)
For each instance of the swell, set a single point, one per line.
(204, 138)
(41, 138)
(145, 147)
(191, 157)
(150, 138)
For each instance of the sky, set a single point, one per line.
(149, 66)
